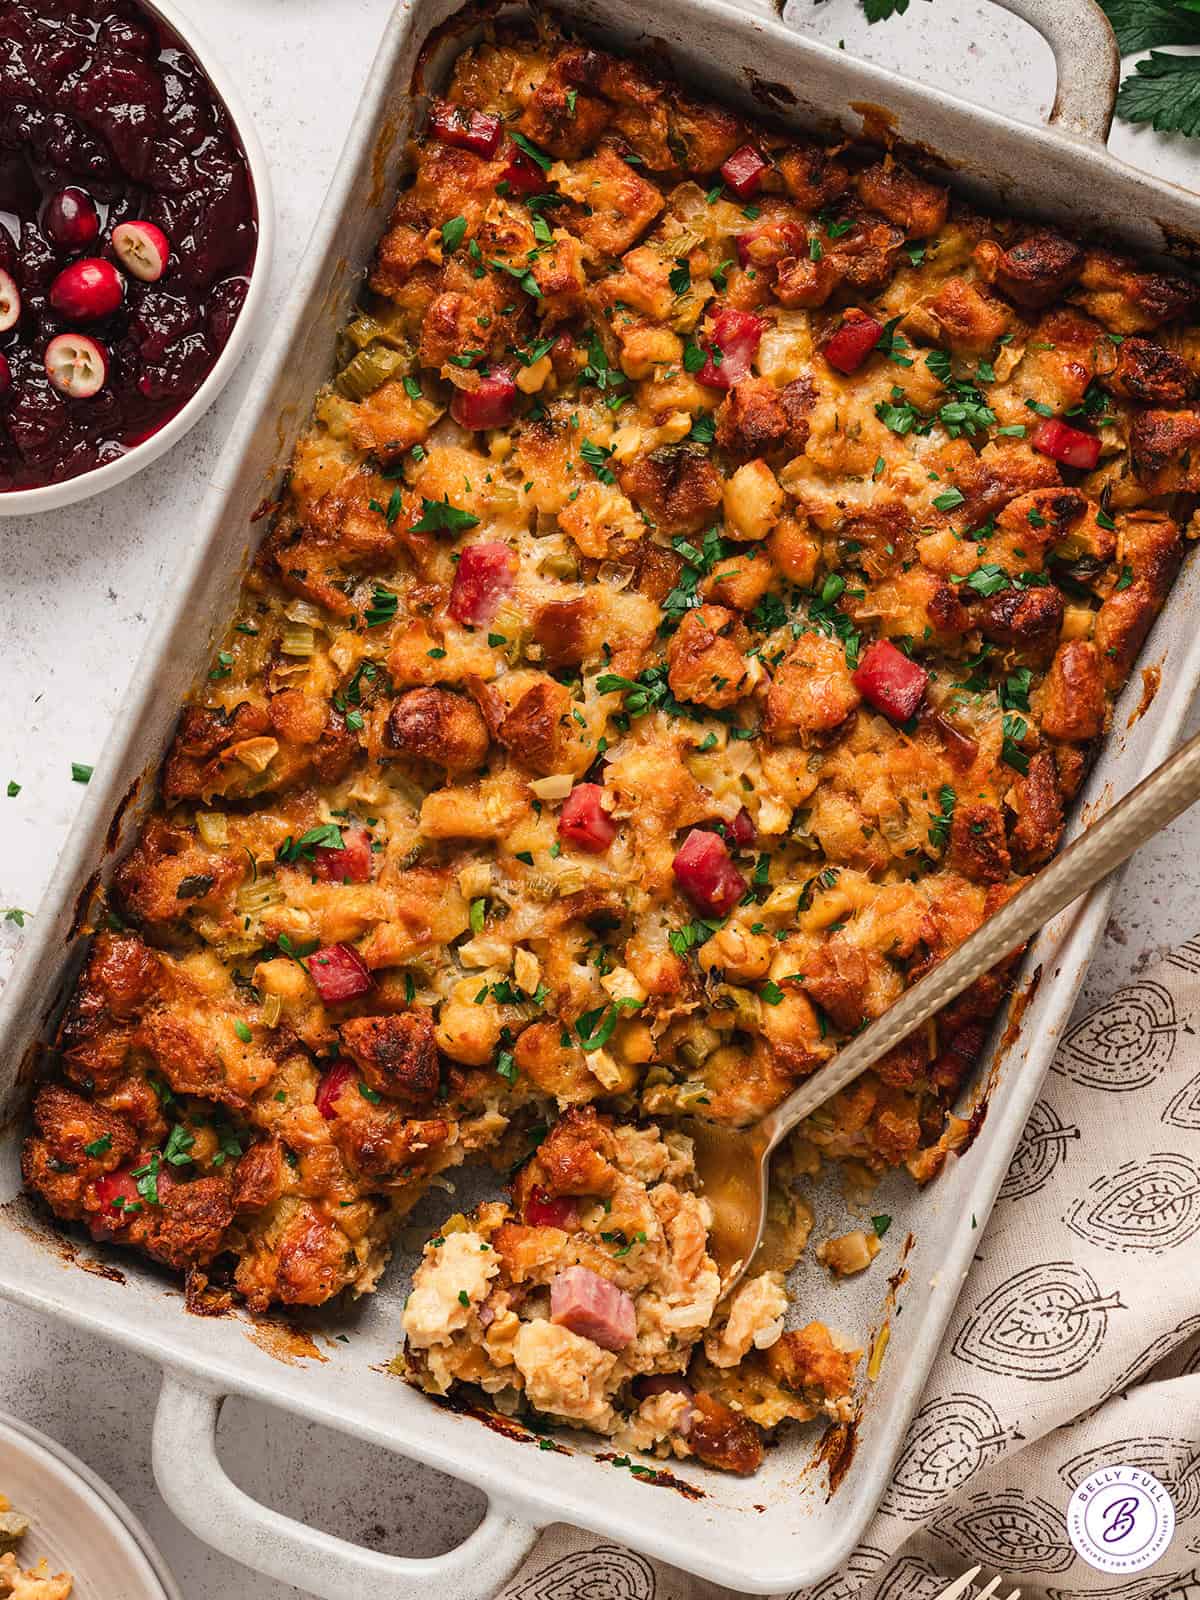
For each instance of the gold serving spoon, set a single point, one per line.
(733, 1164)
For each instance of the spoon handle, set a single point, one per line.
(1157, 800)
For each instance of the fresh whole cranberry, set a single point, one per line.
(71, 219)
(130, 38)
(87, 290)
(142, 249)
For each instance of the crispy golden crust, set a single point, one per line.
(659, 579)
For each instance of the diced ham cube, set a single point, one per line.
(491, 404)
(889, 681)
(482, 578)
(115, 1191)
(466, 130)
(706, 875)
(331, 1085)
(851, 344)
(1072, 446)
(583, 820)
(546, 1211)
(743, 171)
(339, 973)
(352, 863)
(732, 347)
(587, 1304)
(522, 175)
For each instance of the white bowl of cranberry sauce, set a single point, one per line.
(135, 239)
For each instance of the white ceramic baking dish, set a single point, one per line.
(786, 1527)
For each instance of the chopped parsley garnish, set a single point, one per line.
(680, 277)
(531, 150)
(325, 836)
(81, 773)
(100, 1146)
(881, 1224)
(595, 1028)
(439, 516)
(453, 233)
(1015, 729)
(597, 457)
(939, 832)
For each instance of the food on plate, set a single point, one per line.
(677, 632)
(127, 239)
(17, 1580)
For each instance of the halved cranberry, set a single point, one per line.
(339, 973)
(735, 339)
(142, 249)
(352, 861)
(465, 129)
(584, 822)
(491, 404)
(706, 875)
(889, 681)
(76, 365)
(522, 174)
(87, 289)
(10, 302)
(851, 344)
(71, 218)
(483, 576)
(744, 170)
(546, 1211)
(5, 375)
(1072, 446)
(331, 1085)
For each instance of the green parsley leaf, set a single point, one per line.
(14, 789)
(453, 233)
(881, 1224)
(1163, 90)
(464, 1299)
(1014, 690)
(532, 151)
(439, 516)
(881, 10)
(939, 832)
(1015, 728)
(1125, 579)
(771, 993)
(693, 356)
(1143, 24)
(1040, 407)
(368, 1093)
(100, 1146)
(412, 388)
(597, 456)
(16, 916)
(680, 276)
(948, 499)
(243, 1032)
(81, 773)
(595, 1028)
(325, 836)
(506, 1066)
(178, 1144)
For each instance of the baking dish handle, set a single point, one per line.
(1087, 59)
(198, 1490)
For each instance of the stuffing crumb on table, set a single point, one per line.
(692, 611)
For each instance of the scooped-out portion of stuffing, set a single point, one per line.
(592, 1300)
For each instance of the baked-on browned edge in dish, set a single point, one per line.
(687, 617)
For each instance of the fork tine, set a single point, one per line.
(1015, 1595)
(989, 1589)
(960, 1585)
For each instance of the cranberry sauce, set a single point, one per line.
(127, 233)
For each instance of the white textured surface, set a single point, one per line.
(79, 595)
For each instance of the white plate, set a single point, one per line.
(77, 1522)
